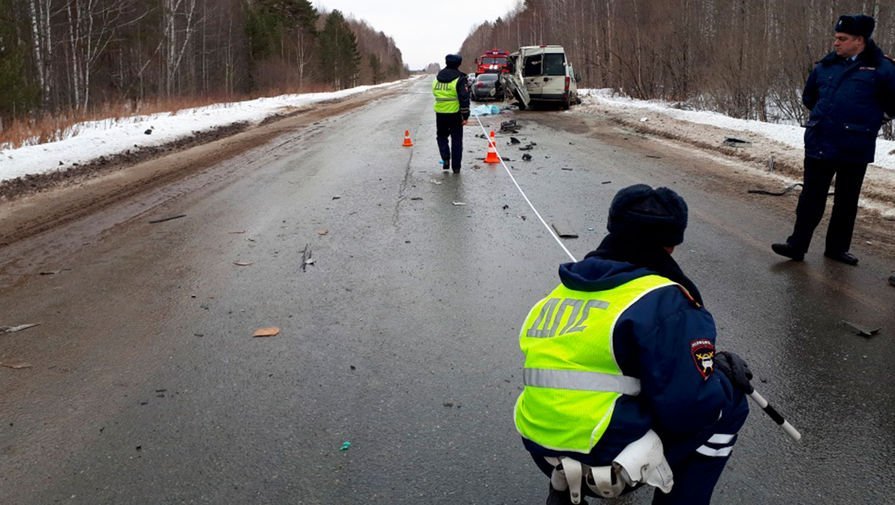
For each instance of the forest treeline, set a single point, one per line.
(58, 56)
(745, 58)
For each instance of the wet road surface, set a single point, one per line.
(400, 338)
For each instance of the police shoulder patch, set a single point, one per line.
(703, 352)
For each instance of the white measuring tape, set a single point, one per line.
(533, 209)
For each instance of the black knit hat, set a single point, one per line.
(857, 24)
(650, 216)
(453, 60)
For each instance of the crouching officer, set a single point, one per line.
(621, 388)
(451, 90)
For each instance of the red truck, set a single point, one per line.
(492, 62)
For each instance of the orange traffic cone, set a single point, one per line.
(492, 151)
(407, 141)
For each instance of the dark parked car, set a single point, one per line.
(487, 87)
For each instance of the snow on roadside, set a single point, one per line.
(93, 139)
(785, 134)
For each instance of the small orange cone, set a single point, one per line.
(492, 151)
(407, 141)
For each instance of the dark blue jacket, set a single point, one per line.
(448, 74)
(848, 101)
(652, 341)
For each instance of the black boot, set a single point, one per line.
(555, 497)
(842, 257)
(784, 249)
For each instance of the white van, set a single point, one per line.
(541, 74)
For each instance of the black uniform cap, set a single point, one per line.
(648, 216)
(856, 24)
(453, 60)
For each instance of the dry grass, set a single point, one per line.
(52, 127)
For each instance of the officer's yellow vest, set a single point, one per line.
(446, 99)
(572, 380)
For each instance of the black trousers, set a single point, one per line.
(450, 125)
(813, 200)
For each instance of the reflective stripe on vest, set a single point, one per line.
(572, 379)
(446, 98)
(581, 381)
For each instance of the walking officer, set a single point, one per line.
(621, 375)
(850, 93)
(451, 91)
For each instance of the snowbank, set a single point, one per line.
(90, 140)
(785, 134)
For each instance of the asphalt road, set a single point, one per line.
(400, 338)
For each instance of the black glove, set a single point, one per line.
(736, 370)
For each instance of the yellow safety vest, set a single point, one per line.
(572, 380)
(446, 98)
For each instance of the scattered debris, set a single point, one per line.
(271, 331)
(514, 140)
(771, 163)
(336, 197)
(644, 119)
(345, 446)
(526, 157)
(433, 181)
(458, 204)
(862, 331)
(523, 217)
(169, 218)
(148, 132)
(505, 207)
(564, 230)
(13, 329)
(243, 263)
(528, 147)
(892, 280)
(653, 156)
(306, 258)
(15, 365)
(735, 142)
(566, 168)
(52, 272)
(237, 232)
(447, 404)
(606, 182)
(416, 198)
(775, 193)
(509, 126)
(322, 232)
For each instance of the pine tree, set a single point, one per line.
(19, 93)
(339, 56)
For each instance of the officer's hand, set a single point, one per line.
(736, 369)
(465, 121)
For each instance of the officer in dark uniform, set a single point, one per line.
(451, 90)
(622, 350)
(850, 93)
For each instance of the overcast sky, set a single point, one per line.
(423, 31)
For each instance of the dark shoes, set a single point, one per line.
(445, 165)
(843, 257)
(456, 170)
(784, 249)
(555, 497)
